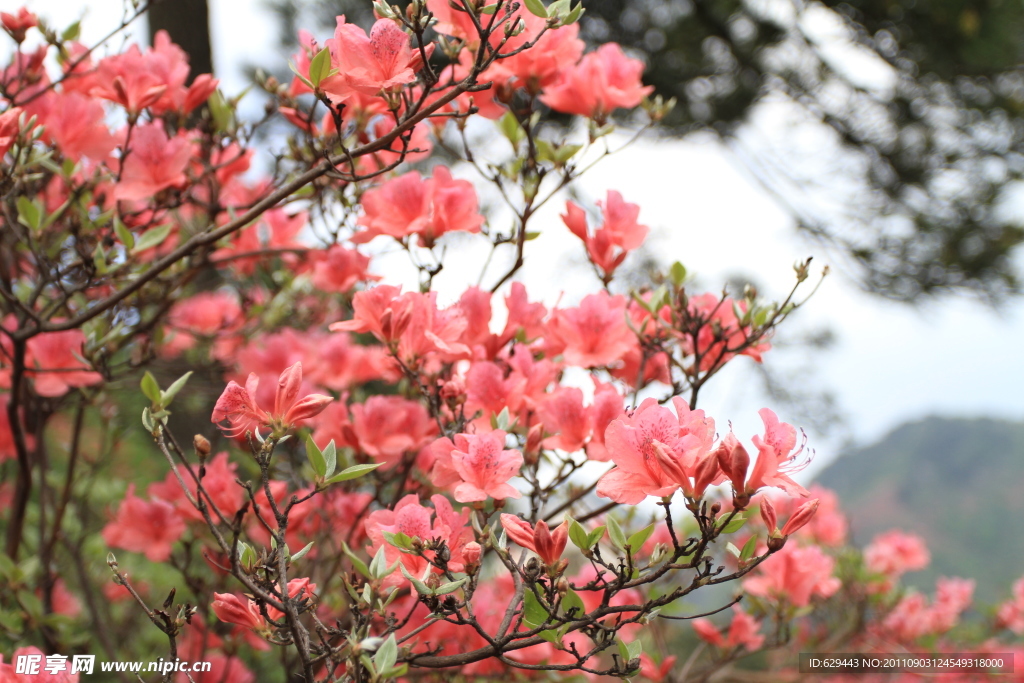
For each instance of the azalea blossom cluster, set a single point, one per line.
(385, 481)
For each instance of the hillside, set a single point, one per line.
(959, 483)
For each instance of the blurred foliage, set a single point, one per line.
(893, 130)
(955, 482)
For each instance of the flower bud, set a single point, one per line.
(471, 553)
(768, 515)
(802, 516)
(202, 446)
(454, 392)
(775, 543)
(533, 441)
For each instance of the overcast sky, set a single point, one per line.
(892, 363)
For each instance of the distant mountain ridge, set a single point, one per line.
(959, 483)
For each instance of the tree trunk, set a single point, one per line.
(188, 23)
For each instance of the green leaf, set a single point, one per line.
(316, 458)
(71, 32)
(552, 636)
(32, 604)
(8, 569)
(534, 613)
(147, 420)
(152, 238)
(572, 602)
(639, 538)
(319, 67)
(30, 214)
(615, 534)
(295, 70)
(446, 588)
(595, 536)
(630, 651)
(399, 540)
(246, 554)
(502, 419)
(749, 548)
(421, 588)
(353, 472)
(150, 388)
(734, 525)
(678, 273)
(302, 553)
(536, 8)
(220, 111)
(733, 549)
(357, 562)
(124, 234)
(167, 396)
(379, 564)
(565, 152)
(99, 257)
(331, 457)
(574, 15)
(394, 672)
(545, 150)
(387, 653)
(559, 8)
(579, 536)
(532, 235)
(510, 128)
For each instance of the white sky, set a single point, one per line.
(892, 363)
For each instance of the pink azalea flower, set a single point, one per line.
(411, 322)
(387, 427)
(409, 205)
(1011, 612)
(895, 553)
(338, 269)
(743, 631)
(775, 460)
(609, 244)
(124, 79)
(232, 609)
(595, 333)
(827, 527)
(563, 415)
(485, 466)
(548, 544)
(794, 575)
(219, 484)
(76, 125)
(656, 452)
(18, 24)
(154, 162)
(53, 362)
(8, 675)
(9, 128)
(721, 334)
(238, 407)
(417, 521)
(914, 618)
(204, 315)
(298, 589)
(607, 407)
(380, 63)
(657, 673)
(537, 68)
(141, 527)
(602, 82)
